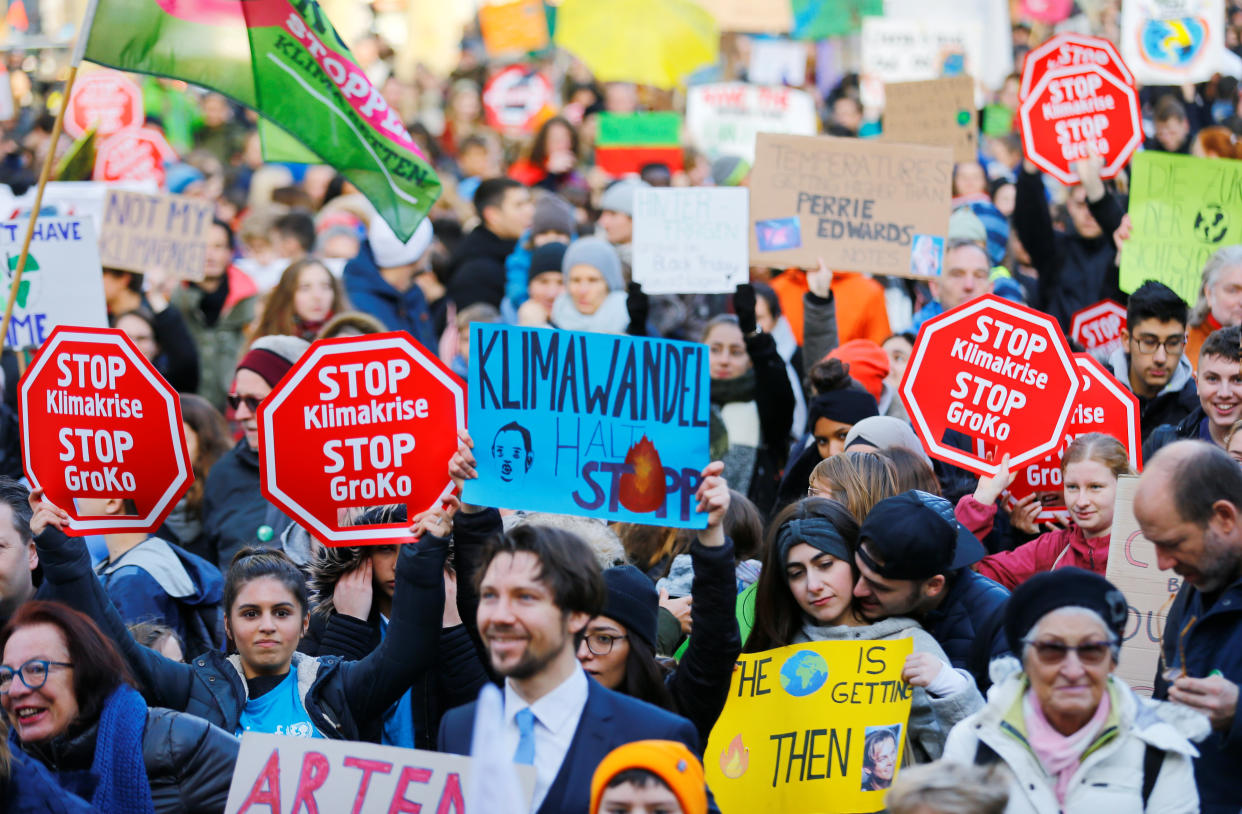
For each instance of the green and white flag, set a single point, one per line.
(285, 61)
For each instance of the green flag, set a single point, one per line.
(284, 60)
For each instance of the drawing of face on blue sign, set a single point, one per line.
(511, 452)
(612, 427)
(1174, 43)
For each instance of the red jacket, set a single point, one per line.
(1056, 549)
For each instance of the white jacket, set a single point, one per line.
(1110, 779)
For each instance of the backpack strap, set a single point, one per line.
(1153, 760)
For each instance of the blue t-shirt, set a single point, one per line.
(278, 712)
(399, 719)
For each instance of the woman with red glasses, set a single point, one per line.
(1074, 737)
(235, 513)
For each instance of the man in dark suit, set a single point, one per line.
(540, 587)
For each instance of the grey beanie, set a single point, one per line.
(620, 196)
(886, 432)
(599, 254)
(553, 214)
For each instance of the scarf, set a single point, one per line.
(735, 429)
(123, 787)
(1060, 754)
(610, 318)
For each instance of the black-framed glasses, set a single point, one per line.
(1089, 653)
(601, 643)
(252, 402)
(1172, 346)
(33, 674)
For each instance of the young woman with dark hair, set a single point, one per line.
(74, 709)
(265, 685)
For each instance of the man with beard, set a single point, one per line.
(914, 560)
(1189, 504)
(539, 588)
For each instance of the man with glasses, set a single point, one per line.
(235, 513)
(1150, 361)
(1219, 383)
(1189, 504)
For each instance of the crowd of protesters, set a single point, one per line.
(131, 664)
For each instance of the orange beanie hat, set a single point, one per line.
(868, 364)
(670, 761)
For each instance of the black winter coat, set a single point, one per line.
(1165, 434)
(189, 762)
(968, 623)
(1074, 271)
(234, 508)
(456, 679)
(477, 270)
(341, 697)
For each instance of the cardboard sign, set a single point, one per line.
(142, 232)
(1078, 112)
(937, 112)
(860, 205)
(897, 50)
(513, 28)
(811, 728)
(61, 284)
(777, 62)
(1149, 592)
(517, 98)
(1103, 405)
(690, 240)
(67, 199)
(624, 143)
(605, 426)
(1182, 209)
(136, 154)
(724, 118)
(98, 421)
(360, 422)
(280, 774)
(820, 19)
(1098, 328)
(1173, 42)
(1070, 50)
(999, 373)
(108, 100)
(750, 17)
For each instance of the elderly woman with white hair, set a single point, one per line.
(1220, 299)
(1074, 736)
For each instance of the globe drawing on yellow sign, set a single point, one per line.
(803, 673)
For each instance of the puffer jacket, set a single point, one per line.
(1110, 778)
(966, 623)
(189, 762)
(219, 345)
(341, 697)
(1055, 549)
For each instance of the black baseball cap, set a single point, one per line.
(917, 536)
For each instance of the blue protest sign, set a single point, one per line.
(605, 426)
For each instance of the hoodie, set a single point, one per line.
(477, 270)
(1178, 399)
(370, 293)
(156, 581)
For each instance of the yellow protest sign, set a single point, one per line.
(814, 728)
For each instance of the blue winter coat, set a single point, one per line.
(398, 310)
(1213, 642)
(972, 608)
(31, 789)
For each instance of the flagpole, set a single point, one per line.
(79, 50)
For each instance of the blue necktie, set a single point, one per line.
(525, 753)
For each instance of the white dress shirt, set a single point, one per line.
(556, 720)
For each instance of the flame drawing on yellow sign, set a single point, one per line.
(735, 760)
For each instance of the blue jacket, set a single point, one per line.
(1214, 642)
(31, 789)
(609, 720)
(398, 310)
(156, 581)
(973, 607)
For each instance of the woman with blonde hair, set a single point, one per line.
(859, 480)
(1089, 472)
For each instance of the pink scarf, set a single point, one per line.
(1061, 754)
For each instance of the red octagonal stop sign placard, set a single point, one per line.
(360, 422)
(110, 100)
(995, 371)
(1066, 50)
(1098, 327)
(1077, 112)
(98, 421)
(1103, 405)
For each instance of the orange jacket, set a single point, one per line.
(861, 310)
